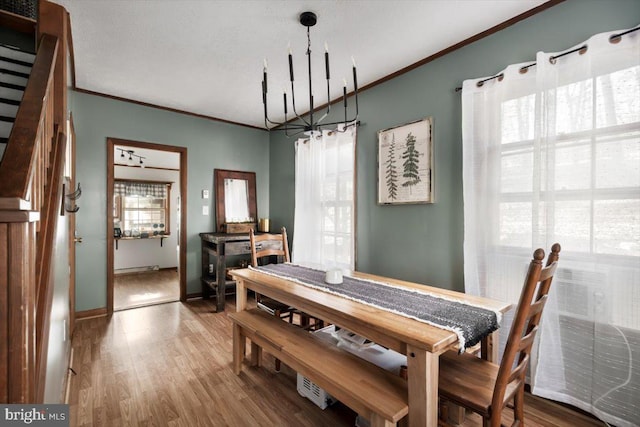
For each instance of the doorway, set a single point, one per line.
(146, 224)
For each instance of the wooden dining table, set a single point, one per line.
(421, 342)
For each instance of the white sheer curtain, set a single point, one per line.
(324, 200)
(552, 154)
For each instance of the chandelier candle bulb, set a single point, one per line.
(264, 77)
(290, 65)
(326, 58)
(355, 79)
(344, 93)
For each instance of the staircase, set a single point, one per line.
(32, 155)
(15, 67)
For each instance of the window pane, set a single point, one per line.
(618, 98)
(515, 224)
(517, 172)
(572, 220)
(144, 214)
(573, 107)
(518, 119)
(617, 227)
(618, 162)
(343, 249)
(573, 166)
(329, 190)
(329, 219)
(344, 219)
(346, 186)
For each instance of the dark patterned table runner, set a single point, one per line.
(469, 322)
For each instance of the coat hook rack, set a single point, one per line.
(68, 201)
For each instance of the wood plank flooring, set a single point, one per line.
(146, 288)
(170, 365)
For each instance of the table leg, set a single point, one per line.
(422, 367)
(256, 354)
(221, 285)
(489, 347)
(239, 344)
(241, 295)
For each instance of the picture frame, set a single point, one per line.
(405, 164)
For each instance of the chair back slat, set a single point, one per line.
(548, 272)
(538, 306)
(524, 327)
(517, 371)
(263, 245)
(527, 339)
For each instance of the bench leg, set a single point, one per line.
(377, 421)
(239, 344)
(256, 354)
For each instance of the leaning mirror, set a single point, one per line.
(236, 209)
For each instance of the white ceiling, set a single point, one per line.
(206, 56)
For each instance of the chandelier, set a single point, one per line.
(305, 123)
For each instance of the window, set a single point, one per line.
(142, 207)
(593, 161)
(325, 200)
(551, 153)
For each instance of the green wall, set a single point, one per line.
(210, 145)
(424, 243)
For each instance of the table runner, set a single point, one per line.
(471, 323)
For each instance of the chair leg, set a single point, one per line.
(277, 313)
(518, 405)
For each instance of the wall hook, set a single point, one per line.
(68, 201)
(76, 194)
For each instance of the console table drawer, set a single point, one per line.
(242, 248)
(237, 248)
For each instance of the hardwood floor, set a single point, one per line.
(170, 365)
(147, 288)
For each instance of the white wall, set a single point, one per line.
(147, 252)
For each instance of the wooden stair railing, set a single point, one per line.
(44, 257)
(26, 158)
(29, 192)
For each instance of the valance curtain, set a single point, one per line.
(324, 200)
(551, 153)
(128, 188)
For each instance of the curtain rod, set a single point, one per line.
(615, 38)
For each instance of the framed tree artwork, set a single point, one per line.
(405, 163)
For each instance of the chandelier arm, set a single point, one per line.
(346, 124)
(293, 104)
(326, 113)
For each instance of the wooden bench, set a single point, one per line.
(374, 393)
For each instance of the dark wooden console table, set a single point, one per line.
(219, 246)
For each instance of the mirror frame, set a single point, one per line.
(219, 176)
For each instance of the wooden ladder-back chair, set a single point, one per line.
(265, 247)
(487, 388)
(271, 245)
